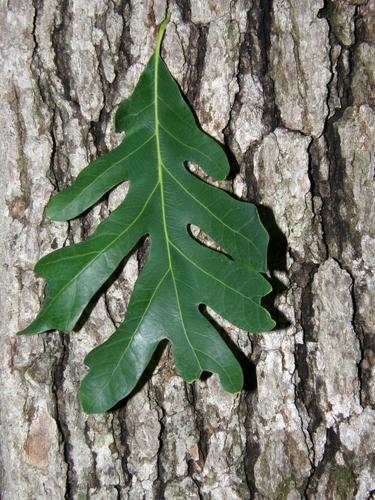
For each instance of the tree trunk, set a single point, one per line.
(289, 87)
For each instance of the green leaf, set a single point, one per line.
(163, 200)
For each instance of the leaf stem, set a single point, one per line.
(162, 29)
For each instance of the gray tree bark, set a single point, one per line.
(289, 86)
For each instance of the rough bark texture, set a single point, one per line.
(289, 86)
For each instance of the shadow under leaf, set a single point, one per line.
(276, 257)
(248, 367)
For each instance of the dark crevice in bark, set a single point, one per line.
(362, 339)
(151, 18)
(92, 479)
(53, 177)
(161, 480)
(197, 50)
(303, 277)
(35, 61)
(305, 393)
(194, 466)
(61, 421)
(344, 75)
(271, 115)
(366, 345)
(185, 9)
(121, 417)
(60, 44)
(18, 205)
(313, 169)
(203, 439)
(56, 174)
(125, 59)
(198, 486)
(319, 187)
(252, 448)
(118, 452)
(300, 405)
(119, 491)
(98, 128)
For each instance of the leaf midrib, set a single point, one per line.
(161, 167)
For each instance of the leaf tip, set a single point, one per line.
(272, 324)
(26, 331)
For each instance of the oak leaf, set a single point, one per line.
(180, 274)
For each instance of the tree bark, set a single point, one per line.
(289, 87)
